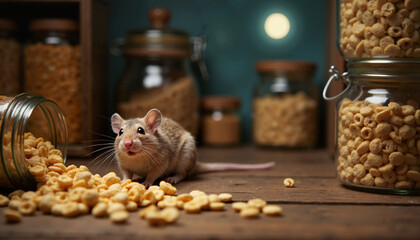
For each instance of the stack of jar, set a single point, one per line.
(50, 68)
(9, 58)
(378, 114)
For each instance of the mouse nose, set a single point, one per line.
(128, 143)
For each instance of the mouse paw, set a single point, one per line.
(138, 179)
(172, 180)
(147, 184)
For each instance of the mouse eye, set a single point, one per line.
(121, 132)
(141, 130)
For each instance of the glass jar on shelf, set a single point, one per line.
(285, 105)
(158, 72)
(378, 123)
(10, 55)
(221, 124)
(52, 68)
(378, 29)
(22, 143)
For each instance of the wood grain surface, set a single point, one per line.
(318, 207)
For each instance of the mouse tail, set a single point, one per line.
(218, 167)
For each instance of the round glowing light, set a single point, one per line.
(277, 26)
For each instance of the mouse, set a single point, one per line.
(156, 147)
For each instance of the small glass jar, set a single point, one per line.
(16, 114)
(158, 73)
(378, 124)
(9, 58)
(285, 106)
(52, 68)
(378, 29)
(221, 124)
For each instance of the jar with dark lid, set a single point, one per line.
(378, 29)
(52, 68)
(378, 123)
(285, 106)
(10, 52)
(158, 72)
(221, 124)
(16, 115)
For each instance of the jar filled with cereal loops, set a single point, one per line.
(378, 29)
(52, 68)
(285, 106)
(158, 72)
(221, 124)
(10, 55)
(378, 126)
(23, 146)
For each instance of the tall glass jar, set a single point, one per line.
(378, 29)
(52, 68)
(378, 124)
(285, 106)
(9, 58)
(221, 124)
(157, 73)
(16, 114)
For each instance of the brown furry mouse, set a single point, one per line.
(153, 147)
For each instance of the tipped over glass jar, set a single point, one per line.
(16, 114)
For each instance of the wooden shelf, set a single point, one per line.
(92, 18)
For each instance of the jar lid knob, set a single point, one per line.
(159, 17)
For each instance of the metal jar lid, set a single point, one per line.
(384, 68)
(158, 40)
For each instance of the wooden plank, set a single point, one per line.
(313, 172)
(307, 190)
(297, 222)
(288, 163)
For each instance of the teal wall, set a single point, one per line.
(236, 39)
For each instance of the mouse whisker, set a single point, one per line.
(104, 156)
(155, 160)
(103, 135)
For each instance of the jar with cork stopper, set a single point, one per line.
(285, 106)
(158, 71)
(221, 124)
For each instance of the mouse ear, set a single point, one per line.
(153, 119)
(116, 121)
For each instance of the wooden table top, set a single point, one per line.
(318, 207)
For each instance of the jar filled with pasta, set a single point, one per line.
(379, 29)
(158, 72)
(221, 125)
(26, 150)
(378, 124)
(52, 68)
(285, 106)
(10, 56)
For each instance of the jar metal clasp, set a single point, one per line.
(335, 75)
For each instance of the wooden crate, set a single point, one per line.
(93, 25)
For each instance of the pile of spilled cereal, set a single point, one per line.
(71, 191)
